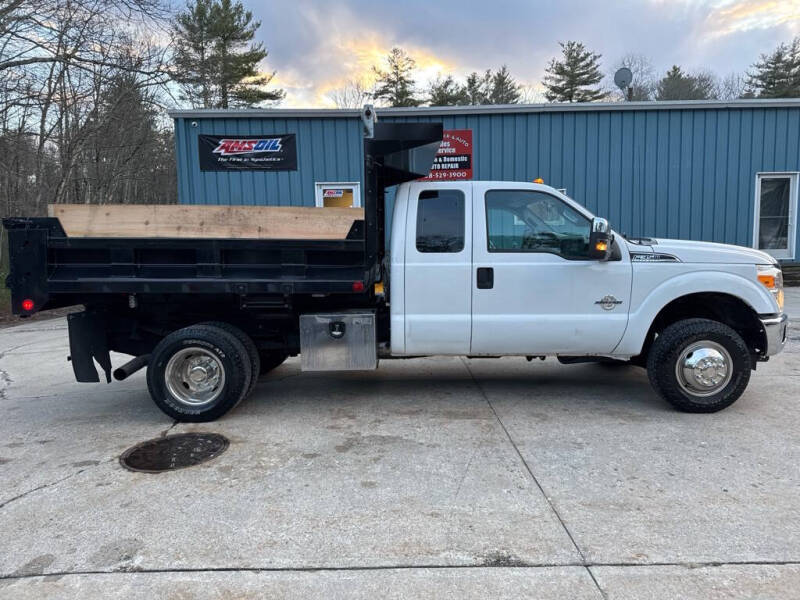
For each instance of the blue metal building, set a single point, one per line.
(704, 170)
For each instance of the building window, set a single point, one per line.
(530, 221)
(440, 221)
(337, 194)
(776, 214)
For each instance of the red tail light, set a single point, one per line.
(27, 304)
(358, 286)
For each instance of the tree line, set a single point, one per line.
(84, 85)
(576, 75)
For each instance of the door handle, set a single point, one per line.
(485, 278)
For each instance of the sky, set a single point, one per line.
(317, 46)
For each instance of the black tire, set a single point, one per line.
(271, 360)
(224, 348)
(249, 345)
(667, 349)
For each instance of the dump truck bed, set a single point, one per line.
(53, 269)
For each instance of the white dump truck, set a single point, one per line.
(474, 268)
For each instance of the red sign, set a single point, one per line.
(454, 158)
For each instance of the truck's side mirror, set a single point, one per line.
(600, 240)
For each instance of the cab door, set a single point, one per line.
(438, 265)
(534, 289)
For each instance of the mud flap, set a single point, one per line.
(87, 343)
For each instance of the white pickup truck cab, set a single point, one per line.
(490, 268)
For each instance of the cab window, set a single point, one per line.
(440, 221)
(531, 221)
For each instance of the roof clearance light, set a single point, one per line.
(538, 180)
(27, 304)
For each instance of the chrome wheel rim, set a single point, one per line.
(194, 376)
(704, 368)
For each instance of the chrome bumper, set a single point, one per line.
(775, 333)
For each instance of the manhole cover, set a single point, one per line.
(174, 452)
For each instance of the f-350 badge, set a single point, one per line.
(608, 302)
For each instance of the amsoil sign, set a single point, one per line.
(454, 158)
(248, 152)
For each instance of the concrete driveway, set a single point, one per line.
(427, 478)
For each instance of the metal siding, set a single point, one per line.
(615, 169)
(721, 180)
(672, 211)
(678, 171)
(628, 177)
(732, 180)
(684, 176)
(601, 184)
(592, 160)
(746, 180)
(328, 149)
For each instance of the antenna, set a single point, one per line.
(623, 78)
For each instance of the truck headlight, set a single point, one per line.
(772, 278)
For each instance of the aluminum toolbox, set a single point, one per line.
(340, 341)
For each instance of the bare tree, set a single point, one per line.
(732, 86)
(353, 94)
(644, 78)
(57, 60)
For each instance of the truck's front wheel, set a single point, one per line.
(699, 365)
(198, 373)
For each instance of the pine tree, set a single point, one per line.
(447, 92)
(396, 85)
(573, 78)
(216, 61)
(194, 51)
(505, 89)
(678, 85)
(479, 87)
(777, 75)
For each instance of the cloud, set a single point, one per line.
(333, 46)
(745, 15)
(318, 46)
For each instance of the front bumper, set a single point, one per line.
(774, 333)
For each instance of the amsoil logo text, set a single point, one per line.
(232, 146)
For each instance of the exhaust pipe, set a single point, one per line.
(130, 367)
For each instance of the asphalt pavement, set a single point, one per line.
(428, 478)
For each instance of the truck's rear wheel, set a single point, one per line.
(249, 345)
(198, 373)
(699, 365)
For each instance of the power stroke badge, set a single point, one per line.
(608, 302)
(274, 152)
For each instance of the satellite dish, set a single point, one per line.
(623, 78)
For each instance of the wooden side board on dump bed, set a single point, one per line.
(203, 221)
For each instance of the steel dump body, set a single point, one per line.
(55, 270)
